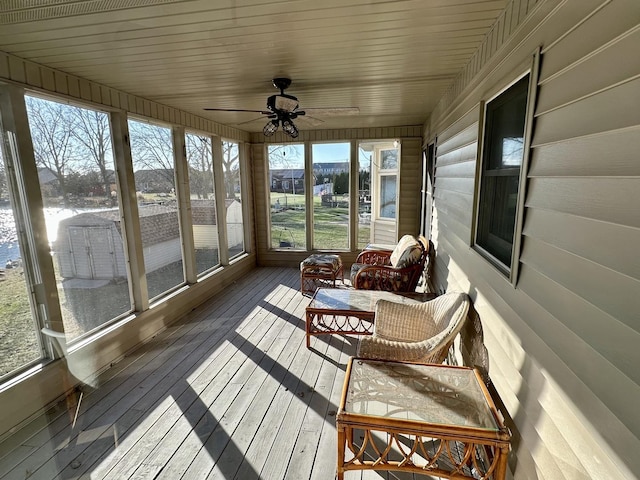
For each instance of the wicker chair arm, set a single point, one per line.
(374, 257)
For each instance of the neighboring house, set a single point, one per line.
(287, 180)
(49, 184)
(159, 180)
(330, 168)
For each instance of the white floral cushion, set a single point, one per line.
(406, 253)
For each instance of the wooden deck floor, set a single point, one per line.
(229, 392)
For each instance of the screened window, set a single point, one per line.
(233, 195)
(203, 203)
(387, 183)
(19, 339)
(153, 165)
(331, 166)
(364, 197)
(502, 156)
(76, 173)
(287, 197)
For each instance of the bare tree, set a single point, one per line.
(199, 156)
(51, 127)
(231, 165)
(91, 131)
(152, 152)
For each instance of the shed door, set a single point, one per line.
(92, 252)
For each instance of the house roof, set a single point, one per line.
(392, 60)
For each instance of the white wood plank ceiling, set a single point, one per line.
(391, 59)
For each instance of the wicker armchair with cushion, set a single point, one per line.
(396, 270)
(416, 332)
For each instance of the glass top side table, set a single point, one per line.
(432, 419)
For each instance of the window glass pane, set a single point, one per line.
(364, 197)
(388, 196)
(235, 229)
(331, 165)
(153, 166)
(203, 204)
(72, 148)
(389, 159)
(505, 127)
(497, 216)
(287, 199)
(19, 343)
(502, 156)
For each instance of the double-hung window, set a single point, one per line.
(503, 149)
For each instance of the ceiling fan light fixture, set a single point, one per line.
(289, 128)
(270, 128)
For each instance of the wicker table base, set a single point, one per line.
(430, 419)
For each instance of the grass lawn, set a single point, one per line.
(331, 224)
(18, 342)
(83, 309)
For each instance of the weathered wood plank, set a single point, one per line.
(230, 391)
(167, 354)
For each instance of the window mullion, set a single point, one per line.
(126, 186)
(220, 194)
(181, 167)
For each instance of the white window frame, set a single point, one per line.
(376, 175)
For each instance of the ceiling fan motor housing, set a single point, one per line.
(283, 103)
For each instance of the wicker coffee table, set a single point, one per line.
(431, 419)
(334, 310)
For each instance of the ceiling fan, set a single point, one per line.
(282, 109)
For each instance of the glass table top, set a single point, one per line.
(434, 394)
(353, 300)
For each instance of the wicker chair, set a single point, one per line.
(397, 270)
(416, 332)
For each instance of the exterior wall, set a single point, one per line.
(161, 254)
(563, 342)
(409, 187)
(205, 236)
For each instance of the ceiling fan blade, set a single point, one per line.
(250, 121)
(308, 120)
(264, 112)
(333, 111)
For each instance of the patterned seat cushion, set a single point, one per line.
(406, 253)
(322, 261)
(355, 268)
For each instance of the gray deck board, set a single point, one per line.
(228, 392)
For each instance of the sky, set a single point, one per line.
(331, 152)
